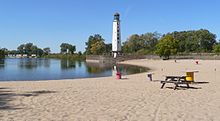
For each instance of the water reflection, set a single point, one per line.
(51, 69)
(2, 63)
(126, 69)
(95, 68)
(114, 70)
(28, 63)
(79, 63)
(46, 63)
(67, 64)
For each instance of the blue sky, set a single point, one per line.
(48, 23)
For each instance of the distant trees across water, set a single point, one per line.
(2, 53)
(66, 48)
(27, 50)
(177, 42)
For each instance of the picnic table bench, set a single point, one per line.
(177, 80)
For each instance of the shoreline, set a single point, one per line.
(133, 97)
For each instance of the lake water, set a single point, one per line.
(53, 69)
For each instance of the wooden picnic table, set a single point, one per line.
(177, 80)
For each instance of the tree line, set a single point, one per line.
(2, 53)
(177, 42)
(183, 42)
(30, 49)
(197, 41)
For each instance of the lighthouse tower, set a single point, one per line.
(116, 35)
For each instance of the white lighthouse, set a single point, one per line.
(116, 35)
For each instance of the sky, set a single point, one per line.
(48, 23)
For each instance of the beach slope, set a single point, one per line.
(133, 97)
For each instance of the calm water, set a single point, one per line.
(53, 69)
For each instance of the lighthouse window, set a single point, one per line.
(118, 38)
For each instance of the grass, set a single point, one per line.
(66, 56)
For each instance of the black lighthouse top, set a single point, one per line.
(117, 16)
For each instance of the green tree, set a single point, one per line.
(98, 48)
(71, 49)
(150, 40)
(40, 52)
(133, 44)
(216, 48)
(142, 44)
(2, 53)
(46, 51)
(63, 48)
(108, 48)
(79, 53)
(29, 49)
(206, 40)
(13, 52)
(21, 49)
(167, 46)
(33, 50)
(95, 45)
(194, 41)
(67, 48)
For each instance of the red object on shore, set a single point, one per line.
(118, 75)
(197, 62)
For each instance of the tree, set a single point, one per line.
(150, 40)
(6, 51)
(108, 48)
(206, 40)
(194, 41)
(167, 46)
(40, 52)
(142, 44)
(29, 49)
(21, 49)
(95, 45)
(13, 52)
(46, 50)
(2, 53)
(67, 48)
(216, 48)
(98, 48)
(133, 44)
(33, 50)
(71, 49)
(63, 48)
(79, 53)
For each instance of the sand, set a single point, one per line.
(133, 98)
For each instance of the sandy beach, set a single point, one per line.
(133, 98)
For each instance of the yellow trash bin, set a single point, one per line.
(190, 76)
